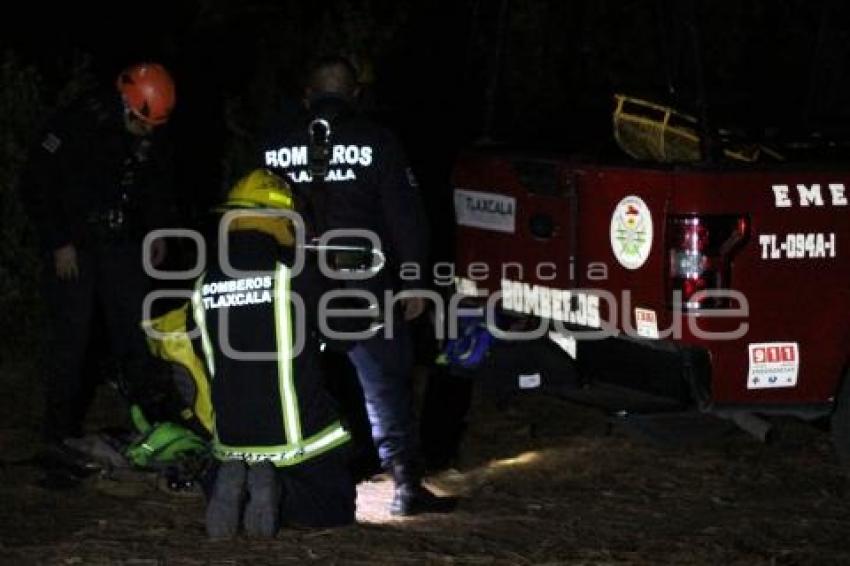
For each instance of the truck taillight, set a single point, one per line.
(700, 251)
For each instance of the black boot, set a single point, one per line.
(261, 513)
(411, 498)
(224, 508)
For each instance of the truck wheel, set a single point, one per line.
(840, 424)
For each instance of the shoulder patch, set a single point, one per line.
(51, 142)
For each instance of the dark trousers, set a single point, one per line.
(344, 387)
(384, 368)
(319, 493)
(110, 277)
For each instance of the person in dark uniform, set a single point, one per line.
(276, 434)
(96, 183)
(353, 174)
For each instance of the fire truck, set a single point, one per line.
(664, 286)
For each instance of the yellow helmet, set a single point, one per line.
(261, 189)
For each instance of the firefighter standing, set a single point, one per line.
(276, 432)
(353, 173)
(96, 183)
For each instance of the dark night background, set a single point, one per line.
(767, 63)
(545, 484)
(443, 74)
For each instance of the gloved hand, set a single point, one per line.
(65, 262)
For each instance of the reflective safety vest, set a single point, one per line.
(253, 338)
(261, 353)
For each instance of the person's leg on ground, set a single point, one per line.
(224, 507)
(121, 289)
(384, 366)
(70, 309)
(261, 516)
(319, 493)
(344, 386)
(70, 306)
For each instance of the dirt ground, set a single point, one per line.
(542, 481)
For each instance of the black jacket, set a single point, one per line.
(86, 168)
(369, 185)
(269, 400)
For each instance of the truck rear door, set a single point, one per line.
(514, 216)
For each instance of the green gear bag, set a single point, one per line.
(162, 443)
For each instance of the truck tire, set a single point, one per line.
(840, 424)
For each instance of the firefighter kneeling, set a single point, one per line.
(276, 435)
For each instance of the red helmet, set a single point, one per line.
(148, 92)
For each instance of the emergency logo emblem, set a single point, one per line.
(631, 232)
(773, 364)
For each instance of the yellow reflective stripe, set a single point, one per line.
(318, 443)
(283, 327)
(287, 454)
(242, 203)
(201, 321)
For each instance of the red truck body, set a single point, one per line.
(788, 262)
